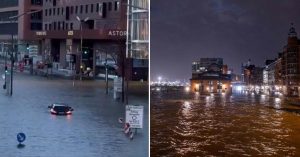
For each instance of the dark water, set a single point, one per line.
(238, 125)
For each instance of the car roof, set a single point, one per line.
(59, 104)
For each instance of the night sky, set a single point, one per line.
(183, 31)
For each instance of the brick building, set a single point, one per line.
(291, 64)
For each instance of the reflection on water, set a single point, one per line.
(221, 125)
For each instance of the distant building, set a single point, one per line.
(209, 75)
(253, 75)
(269, 73)
(206, 64)
(291, 64)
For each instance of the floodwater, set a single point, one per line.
(238, 125)
(92, 130)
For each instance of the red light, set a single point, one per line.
(52, 111)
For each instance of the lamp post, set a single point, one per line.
(12, 47)
(81, 42)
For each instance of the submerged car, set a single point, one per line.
(60, 109)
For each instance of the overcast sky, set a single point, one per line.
(183, 31)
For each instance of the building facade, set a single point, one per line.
(209, 75)
(22, 28)
(291, 64)
(88, 33)
(137, 48)
(207, 64)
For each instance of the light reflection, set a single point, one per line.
(277, 102)
(158, 89)
(187, 88)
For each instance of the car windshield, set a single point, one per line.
(61, 108)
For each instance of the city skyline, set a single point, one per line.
(233, 30)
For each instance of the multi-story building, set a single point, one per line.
(138, 38)
(278, 71)
(291, 64)
(207, 64)
(253, 75)
(210, 76)
(22, 28)
(87, 32)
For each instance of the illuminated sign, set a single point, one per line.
(70, 33)
(117, 33)
(41, 33)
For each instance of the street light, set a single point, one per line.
(12, 47)
(81, 42)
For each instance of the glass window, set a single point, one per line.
(58, 25)
(86, 8)
(53, 11)
(54, 25)
(58, 11)
(116, 5)
(72, 9)
(76, 9)
(92, 8)
(97, 7)
(46, 12)
(71, 26)
(109, 6)
(81, 9)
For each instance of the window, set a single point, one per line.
(36, 2)
(53, 11)
(46, 26)
(46, 12)
(81, 9)
(58, 25)
(97, 7)
(49, 12)
(67, 26)
(36, 26)
(76, 9)
(63, 25)
(116, 5)
(54, 25)
(62, 11)
(109, 6)
(50, 26)
(86, 8)
(92, 8)
(71, 26)
(58, 10)
(72, 10)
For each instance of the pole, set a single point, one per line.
(81, 42)
(123, 74)
(5, 63)
(12, 63)
(106, 73)
(73, 71)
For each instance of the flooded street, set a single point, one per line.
(92, 130)
(237, 125)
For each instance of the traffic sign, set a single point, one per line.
(21, 137)
(134, 116)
